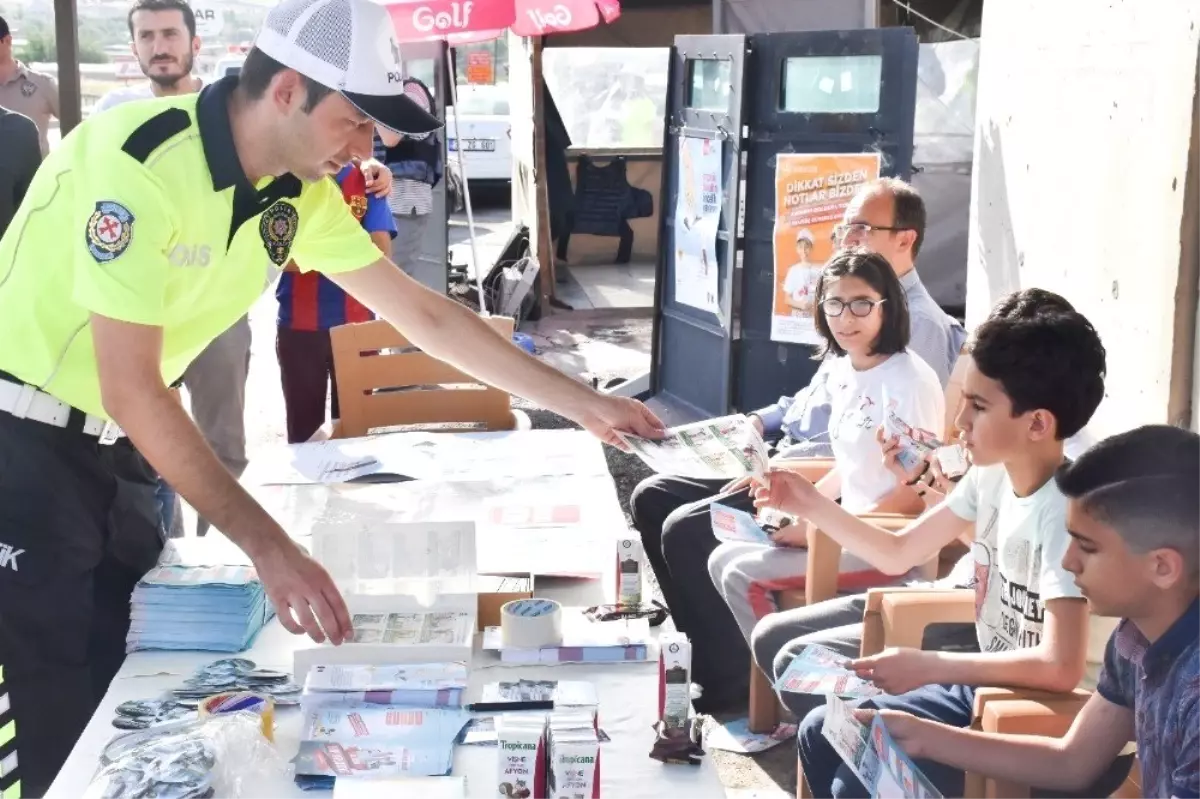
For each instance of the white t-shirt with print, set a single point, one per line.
(1018, 552)
(856, 411)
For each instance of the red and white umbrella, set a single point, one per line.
(460, 22)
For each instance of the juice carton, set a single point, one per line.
(521, 762)
(630, 564)
(574, 755)
(674, 679)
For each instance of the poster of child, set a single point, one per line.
(811, 193)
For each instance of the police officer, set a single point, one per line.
(151, 229)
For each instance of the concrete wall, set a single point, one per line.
(1085, 120)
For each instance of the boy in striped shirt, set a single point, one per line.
(309, 305)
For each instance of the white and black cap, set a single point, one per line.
(349, 46)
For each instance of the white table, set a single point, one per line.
(628, 694)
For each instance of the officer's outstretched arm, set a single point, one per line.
(453, 333)
(128, 357)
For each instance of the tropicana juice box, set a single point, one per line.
(521, 747)
(674, 679)
(574, 755)
(630, 565)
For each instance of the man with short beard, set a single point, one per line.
(165, 45)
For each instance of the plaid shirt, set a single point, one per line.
(1160, 682)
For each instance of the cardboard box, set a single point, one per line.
(494, 591)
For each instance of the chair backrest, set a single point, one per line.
(383, 380)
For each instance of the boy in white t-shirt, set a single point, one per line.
(1032, 382)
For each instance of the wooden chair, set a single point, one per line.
(825, 554)
(383, 380)
(900, 617)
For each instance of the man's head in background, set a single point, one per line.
(6, 44)
(164, 40)
(886, 216)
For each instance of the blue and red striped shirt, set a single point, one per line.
(311, 301)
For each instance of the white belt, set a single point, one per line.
(27, 402)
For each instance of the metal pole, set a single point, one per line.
(66, 40)
(458, 147)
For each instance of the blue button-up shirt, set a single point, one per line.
(1160, 683)
(803, 419)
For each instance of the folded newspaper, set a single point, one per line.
(819, 670)
(718, 449)
(872, 754)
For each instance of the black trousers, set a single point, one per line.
(306, 372)
(672, 516)
(79, 526)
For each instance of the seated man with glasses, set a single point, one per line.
(887, 217)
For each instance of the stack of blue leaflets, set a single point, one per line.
(211, 608)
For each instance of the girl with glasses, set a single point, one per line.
(861, 313)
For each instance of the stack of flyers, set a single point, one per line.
(819, 670)
(410, 685)
(872, 754)
(441, 627)
(736, 526)
(375, 741)
(214, 608)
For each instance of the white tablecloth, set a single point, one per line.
(628, 694)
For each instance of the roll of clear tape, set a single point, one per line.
(243, 702)
(530, 624)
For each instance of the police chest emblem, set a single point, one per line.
(109, 231)
(358, 206)
(28, 87)
(278, 228)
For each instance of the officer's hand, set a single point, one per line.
(304, 594)
(379, 178)
(607, 414)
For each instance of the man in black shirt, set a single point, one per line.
(20, 155)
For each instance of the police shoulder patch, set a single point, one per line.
(278, 229)
(109, 231)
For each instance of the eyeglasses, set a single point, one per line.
(857, 229)
(833, 307)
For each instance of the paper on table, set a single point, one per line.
(425, 787)
(410, 676)
(432, 456)
(333, 461)
(719, 449)
(440, 627)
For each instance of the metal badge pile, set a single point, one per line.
(174, 767)
(220, 676)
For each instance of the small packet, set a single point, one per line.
(952, 460)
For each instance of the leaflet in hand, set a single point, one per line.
(872, 754)
(736, 526)
(718, 449)
(819, 670)
(914, 442)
